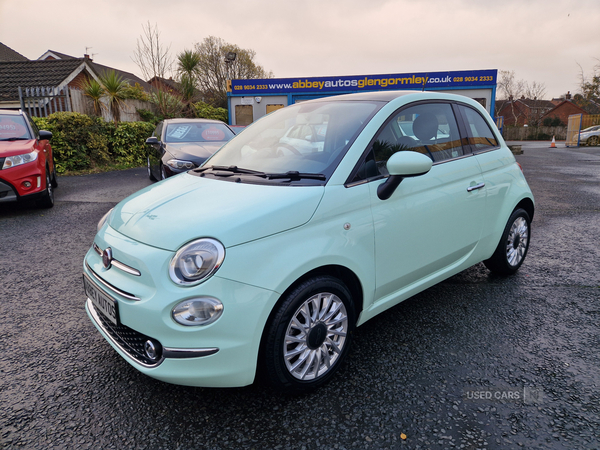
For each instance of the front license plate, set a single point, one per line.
(101, 301)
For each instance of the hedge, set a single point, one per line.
(81, 142)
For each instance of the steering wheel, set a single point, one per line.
(289, 147)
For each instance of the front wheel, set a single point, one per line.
(47, 200)
(309, 336)
(593, 141)
(513, 246)
(150, 174)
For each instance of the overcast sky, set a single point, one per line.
(541, 40)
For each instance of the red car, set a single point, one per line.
(27, 170)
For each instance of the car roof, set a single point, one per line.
(11, 112)
(192, 120)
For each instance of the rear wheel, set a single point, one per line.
(593, 141)
(309, 336)
(513, 246)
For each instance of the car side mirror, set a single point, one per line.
(45, 135)
(401, 165)
(152, 140)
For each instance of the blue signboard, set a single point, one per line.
(357, 83)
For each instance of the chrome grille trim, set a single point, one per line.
(110, 287)
(118, 264)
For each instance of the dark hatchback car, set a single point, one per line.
(27, 170)
(179, 145)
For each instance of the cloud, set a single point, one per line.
(541, 40)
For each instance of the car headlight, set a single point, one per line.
(196, 262)
(104, 219)
(197, 311)
(17, 160)
(180, 164)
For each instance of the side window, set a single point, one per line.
(480, 135)
(430, 129)
(36, 130)
(158, 131)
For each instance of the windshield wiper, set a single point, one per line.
(232, 169)
(292, 174)
(295, 175)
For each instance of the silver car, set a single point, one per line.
(590, 136)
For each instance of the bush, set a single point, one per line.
(81, 142)
(205, 111)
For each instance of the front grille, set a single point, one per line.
(130, 341)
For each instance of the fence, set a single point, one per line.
(578, 122)
(128, 109)
(42, 101)
(533, 133)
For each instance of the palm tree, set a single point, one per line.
(187, 69)
(94, 91)
(114, 90)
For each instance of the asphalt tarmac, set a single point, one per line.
(476, 362)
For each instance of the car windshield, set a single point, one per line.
(197, 132)
(13, 128)
(306, 138)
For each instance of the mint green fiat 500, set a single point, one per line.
(264, 260)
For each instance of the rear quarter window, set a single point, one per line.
(479, 133)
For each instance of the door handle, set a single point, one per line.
(474, 188)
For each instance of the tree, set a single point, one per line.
(589, 96)
(214, 70)
(511, 89)
(151, 56)
(188, 63)
(93, 90)
(115, 91)
(514, 90)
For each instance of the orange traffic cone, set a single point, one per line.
(553, 145)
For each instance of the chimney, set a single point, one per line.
(86, 56)
(568, 96)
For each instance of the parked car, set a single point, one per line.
(264, 261)
(590, 136)
(27, 170)
(178, 145)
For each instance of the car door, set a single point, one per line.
(155, 151)
(431, 223)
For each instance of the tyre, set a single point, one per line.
(513, 246)
(309, 335)
(150, 175)
(47, 200)
(593, 141)
(54, 180)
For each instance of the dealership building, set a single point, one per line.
(249, 100)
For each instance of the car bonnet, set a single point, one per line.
(185, 207)
(194, 150)
(12, 148)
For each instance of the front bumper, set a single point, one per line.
(13, 180)
(222, 354)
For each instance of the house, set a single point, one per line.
(8, 54)
(522, 111)
(97, 69)
(173, 87)
(563, 110)
(55, 72)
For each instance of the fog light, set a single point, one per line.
(198, 311)
(152, 350)
(27, 184)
